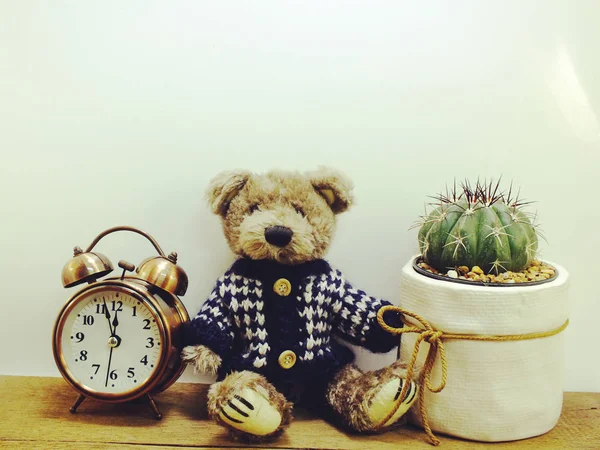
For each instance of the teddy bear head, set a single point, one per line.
(288, 217)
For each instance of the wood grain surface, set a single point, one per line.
(34, 414)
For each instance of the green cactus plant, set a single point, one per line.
(479, 226)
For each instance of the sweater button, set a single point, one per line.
(287, 359)
(282, 287)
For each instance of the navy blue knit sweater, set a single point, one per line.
(249, 325)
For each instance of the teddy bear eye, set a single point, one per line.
(300, 211)
(254, 207)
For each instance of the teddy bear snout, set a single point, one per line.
(278, 235)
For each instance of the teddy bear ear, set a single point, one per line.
(223, 188)
(334, 186)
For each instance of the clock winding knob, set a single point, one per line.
(126, 266)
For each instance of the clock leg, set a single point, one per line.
(78, 402)
(155, 410)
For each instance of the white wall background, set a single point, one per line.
(120, 112)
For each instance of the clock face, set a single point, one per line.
(111, 342)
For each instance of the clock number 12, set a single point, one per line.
(119, 306)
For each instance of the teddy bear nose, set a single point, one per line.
(278, 235)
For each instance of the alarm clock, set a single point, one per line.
(119, 339)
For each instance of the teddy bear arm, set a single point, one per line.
(202, 359)
(212, 327)
(356, 320)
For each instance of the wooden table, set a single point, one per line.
(34, 414)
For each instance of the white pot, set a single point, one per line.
(495, 391)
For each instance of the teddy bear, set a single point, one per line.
(272, 329)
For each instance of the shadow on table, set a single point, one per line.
(172, 404)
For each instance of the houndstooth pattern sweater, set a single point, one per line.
(249, 325)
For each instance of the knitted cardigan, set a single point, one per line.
(248, 325)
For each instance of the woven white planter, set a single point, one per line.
(496, 391)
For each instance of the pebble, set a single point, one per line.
(537, 271)
(477, 270)
(428, 267)
(463, 270)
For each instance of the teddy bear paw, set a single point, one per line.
(250, 412)
(387, 399)
(247, 403)
(203, 359)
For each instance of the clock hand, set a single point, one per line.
(108, 370)
(115, 324)
(107, 315)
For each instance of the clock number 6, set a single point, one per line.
(113, 374)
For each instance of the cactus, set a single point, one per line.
(479, 226)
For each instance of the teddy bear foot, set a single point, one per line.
(370, 402)
(387, 399)
(249, 406)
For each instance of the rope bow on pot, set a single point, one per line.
(435, 340)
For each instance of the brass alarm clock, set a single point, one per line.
(119, 339)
